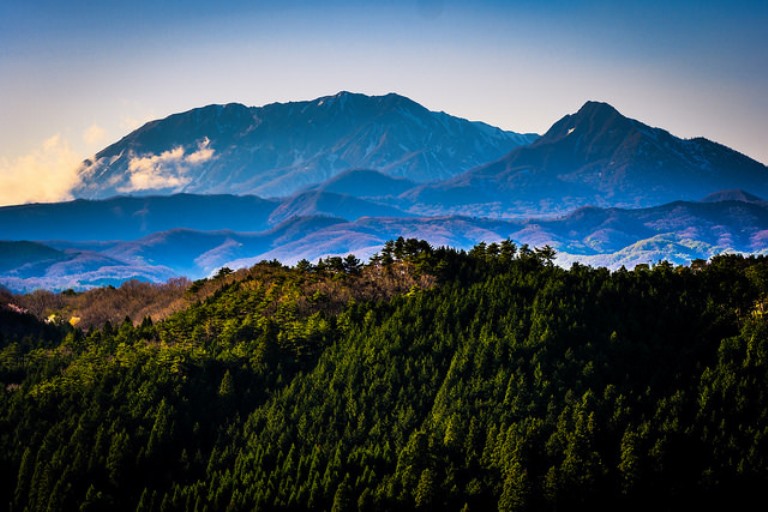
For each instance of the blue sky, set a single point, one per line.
(77, 75)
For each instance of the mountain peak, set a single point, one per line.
(732, 195)
(366, 183)
(591, 121)
(596, 113)
(597, 108)
(600, 157)
(340, 99)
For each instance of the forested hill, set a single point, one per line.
(430, 379)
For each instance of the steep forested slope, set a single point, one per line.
(430, 379)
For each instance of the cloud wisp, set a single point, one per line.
(47, 174)
(167, 170)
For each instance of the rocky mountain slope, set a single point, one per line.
(598, 157)
(599, 187)
(278, 149)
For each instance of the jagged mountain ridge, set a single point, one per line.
(599, 157)
(281, 148)
(589, 187)
(361, 146)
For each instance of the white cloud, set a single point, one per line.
(203, 154)
(47, 174)
(166, 170)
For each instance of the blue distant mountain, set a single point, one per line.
(128, 218)
(366, 183)
(279, 149)
(354, 171)
(25, 257)
(596, 157)
(677, 232)
(331, 204)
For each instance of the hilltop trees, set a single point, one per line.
(429, 379)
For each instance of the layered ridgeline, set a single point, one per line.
(277, 149)
(431, 380)
(595, 157)
(137, 238)
(355, 171)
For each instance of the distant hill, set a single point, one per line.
(366, 183)
(25, 256)
(128, 218)
(73, 268)
(281, 148)
(332, 205)
(678, 232)
(732, 195)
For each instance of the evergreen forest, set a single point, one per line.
(425, 379)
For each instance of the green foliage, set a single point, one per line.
(429, 379)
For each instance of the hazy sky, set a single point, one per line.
(76, 75)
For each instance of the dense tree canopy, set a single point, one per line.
(427, 379)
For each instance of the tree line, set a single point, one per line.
(428, 378)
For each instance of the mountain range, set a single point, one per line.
(733, 221)
(231, 185)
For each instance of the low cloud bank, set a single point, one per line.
(47, 174)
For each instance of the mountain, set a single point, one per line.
(366, 183)
(281, 148)
(599, 187)
(732, 195)
(24, 257)
(332, 205)
(598, 157)
(58, 265)
(196, 254)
